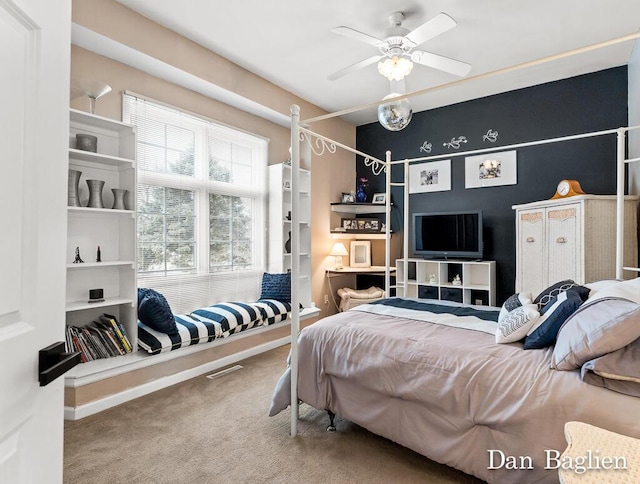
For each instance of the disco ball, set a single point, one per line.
(395, 115)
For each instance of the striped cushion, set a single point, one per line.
(273, 310)
(191, 331)
(207, 324)
(233, 317)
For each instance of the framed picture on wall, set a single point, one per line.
(490, 170)
(434, 176)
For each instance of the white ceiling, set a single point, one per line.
(289, 42)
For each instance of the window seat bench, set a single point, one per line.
(91, 388)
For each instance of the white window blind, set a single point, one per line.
(201, 206)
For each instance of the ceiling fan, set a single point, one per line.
(397, 47)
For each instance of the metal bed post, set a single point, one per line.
(387, 232)
(405, 239)
(620, 177)
(295, 263)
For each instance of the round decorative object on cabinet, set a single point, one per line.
(568, 188)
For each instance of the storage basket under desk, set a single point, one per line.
(350, 298)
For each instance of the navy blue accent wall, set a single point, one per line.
(591, 102)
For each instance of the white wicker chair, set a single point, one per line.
(350, 298)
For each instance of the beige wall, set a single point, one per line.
(331, 174)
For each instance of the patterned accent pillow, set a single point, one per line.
(516, 324)
(554, 314)
(546, 296)
(276, 286)
(514, 301)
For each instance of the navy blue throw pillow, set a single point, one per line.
(547, 295)
(154, 311)
(553, 315)
(276, 286)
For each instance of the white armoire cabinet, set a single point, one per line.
(279, 226)
(571, 238)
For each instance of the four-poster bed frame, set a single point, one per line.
(320, 144)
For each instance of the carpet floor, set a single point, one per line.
(217, 431)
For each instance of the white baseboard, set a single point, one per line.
(76, 413)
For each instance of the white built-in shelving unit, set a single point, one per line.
(351, 210)
(433, 279)
(280, 207)
(113, 230)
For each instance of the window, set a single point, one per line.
(201, 195)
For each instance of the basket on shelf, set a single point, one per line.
(350, 298)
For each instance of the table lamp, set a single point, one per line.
(338, 251)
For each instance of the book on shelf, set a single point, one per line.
(119, 330)
(103, 338)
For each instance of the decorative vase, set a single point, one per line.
(95, 193)
(287, 245)
(118, 198)
(72, 192)
(361, 194)
(87, 142)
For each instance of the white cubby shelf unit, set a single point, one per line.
(433, 279)
(113, 230)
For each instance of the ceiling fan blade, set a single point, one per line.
(431, 28)
(357, 35)
(441, 63)
(354, 67)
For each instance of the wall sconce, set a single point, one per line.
(338, 250)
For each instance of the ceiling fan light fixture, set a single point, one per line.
(395, 115)
(395, 68)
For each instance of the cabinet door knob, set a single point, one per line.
(530, 239)
(561, 240)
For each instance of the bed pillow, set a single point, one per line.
(618, 371)
(597, 328)
(597, 286)
(629, 289)
(276, 286)
(546, 296)
(553, 315)
(514, 301)
(154, 311)
(517, 323)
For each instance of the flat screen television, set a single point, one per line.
(448, 234)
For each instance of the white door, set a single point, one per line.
(34, 107)
(530, 248)
(564, 244)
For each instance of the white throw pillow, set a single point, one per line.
(629, 289)
(597, 286)
(514, 301)
(517, 323)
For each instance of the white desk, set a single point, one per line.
(359, 270)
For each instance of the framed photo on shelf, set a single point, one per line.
(348, 198)
(362, 225)
(360, 253)
(379, 198)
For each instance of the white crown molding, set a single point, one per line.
(102, 45)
